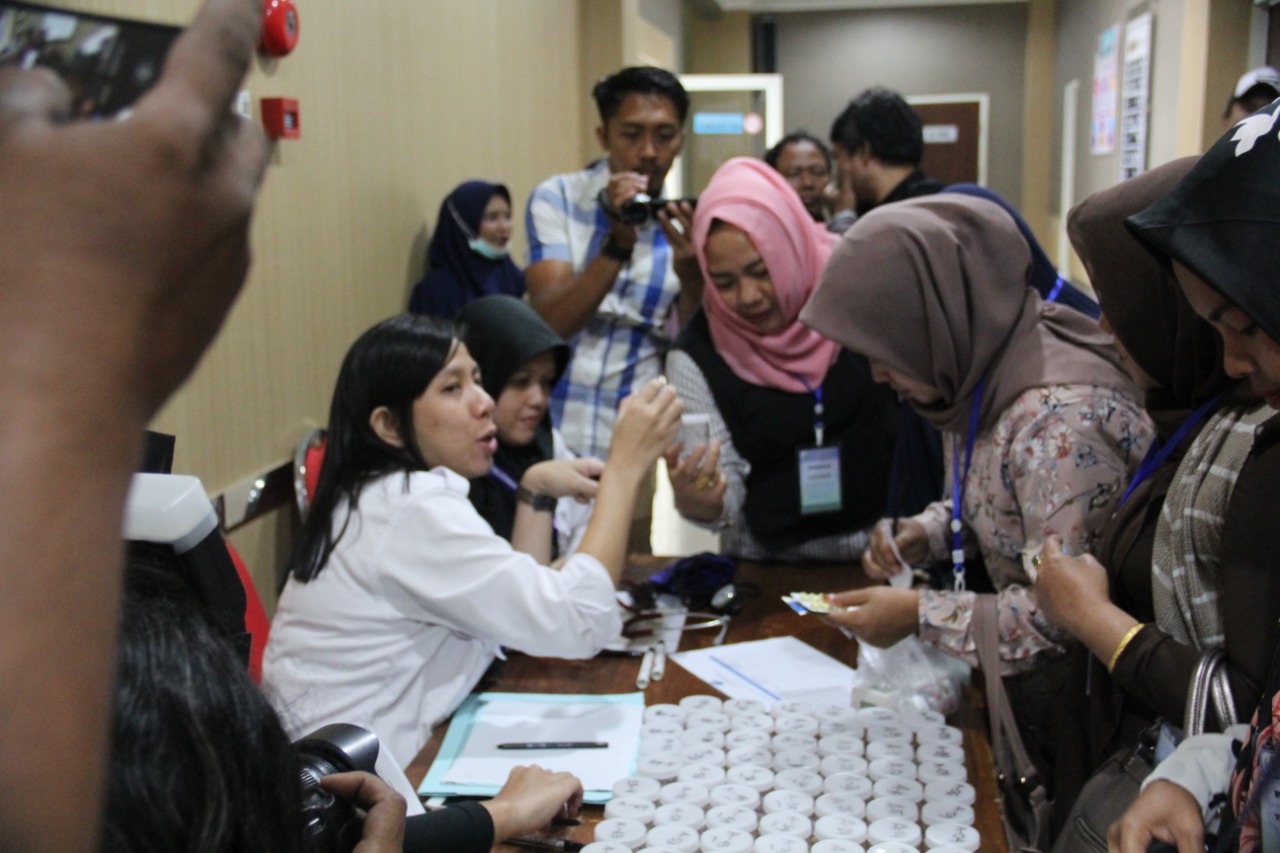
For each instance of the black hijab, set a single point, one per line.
(1221, 221)
(504, 334)
(456, 273)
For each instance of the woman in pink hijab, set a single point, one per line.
(801, 437)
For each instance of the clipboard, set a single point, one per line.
(470, 763)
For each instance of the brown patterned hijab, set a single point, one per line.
(936, 288)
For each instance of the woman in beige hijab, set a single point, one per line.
(1042, 424)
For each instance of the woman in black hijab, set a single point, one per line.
(520, 359)
(467, 257)
(1217, 231)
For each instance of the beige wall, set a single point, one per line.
(400, 101)
(719, 44)
(1199, 49)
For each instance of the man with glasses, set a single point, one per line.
(806, 163)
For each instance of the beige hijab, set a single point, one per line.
(936, 288)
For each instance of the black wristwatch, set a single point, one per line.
(540, 503)
(611, 249)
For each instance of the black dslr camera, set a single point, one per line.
(333, 826)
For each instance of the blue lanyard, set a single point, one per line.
(1159, 451)
(1057, 289)
(819, 428)
(504, 478)
(958, 483)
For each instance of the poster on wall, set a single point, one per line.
(1106, 83)
(1135, 96)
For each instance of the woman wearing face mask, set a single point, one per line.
(400, 595)
(1218, 230)
(802, 436)
(520, 360)
(467, 257)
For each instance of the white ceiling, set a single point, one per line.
(761, 6)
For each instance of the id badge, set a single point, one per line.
(820, 480)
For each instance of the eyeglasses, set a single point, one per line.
(652, 623)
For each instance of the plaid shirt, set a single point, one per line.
(622, 346)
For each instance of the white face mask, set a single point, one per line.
(487, 250)
(478, 244)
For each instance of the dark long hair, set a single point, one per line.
(389, 365)
(199, 761)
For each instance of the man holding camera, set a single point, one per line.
(607, 265)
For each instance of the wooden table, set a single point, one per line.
(762, 616)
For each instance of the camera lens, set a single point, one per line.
(637, 210)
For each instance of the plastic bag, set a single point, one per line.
(909, 674)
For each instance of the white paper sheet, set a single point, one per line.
(618, 724)
(773, 669)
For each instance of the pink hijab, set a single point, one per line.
(750, 195)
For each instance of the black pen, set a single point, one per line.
(556, 744)
(545, 842)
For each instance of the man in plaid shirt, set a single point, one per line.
(605, 280)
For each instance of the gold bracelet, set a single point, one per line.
(1120, 647)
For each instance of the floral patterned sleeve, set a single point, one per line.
(1055, 463)
(690, 383)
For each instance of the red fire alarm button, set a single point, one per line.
(280, 118)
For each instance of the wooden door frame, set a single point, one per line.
(983, 100)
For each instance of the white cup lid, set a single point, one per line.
(779, 843)
(891, 807)
(848, 783)
(731, 794)
(942, 811)
(726, 839)
(841, 826)
(952, 834)
(683, 814)
(632, 808)
(797, 779)
(835, 845)
(621, 831)
(840, 804)
(788, 801)
(637, 786)
(961, 792)
(674, 835)
(894, 829)
(786, 823)
(906, 789)
(738, 817)
(751, 775)
(703, 774)
(702, 702)
(687, 793)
